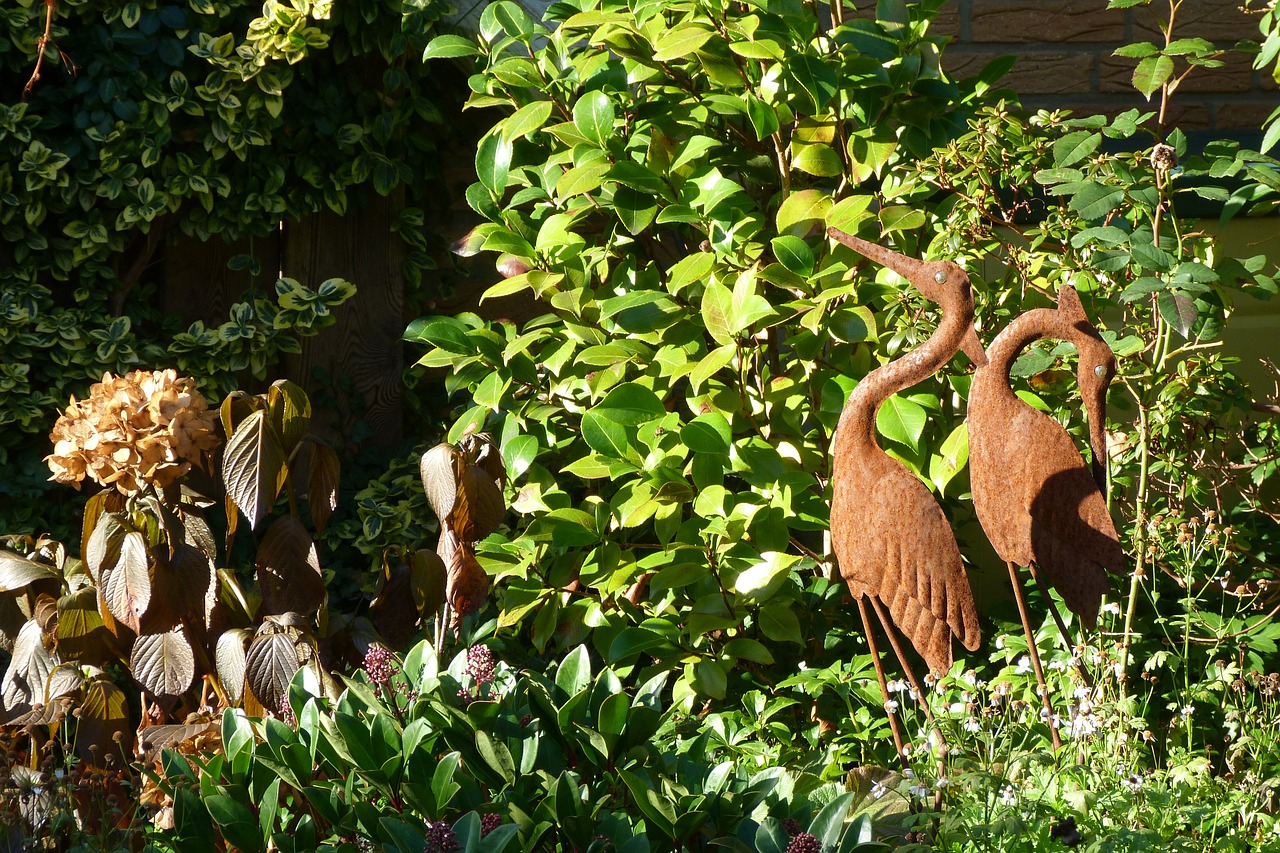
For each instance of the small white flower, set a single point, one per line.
(1008, 796)
(1058, 665)
(1000, 641)
(1133, 781)
(891, 706)
(1111, 607)
(908, 773)
(921, 790)
(897, 686)
(878, 790)
(944, 782)
(973, 724)
(1080, 693)
(802, 666)
(956, 708)
(1024, 665)
(1187, 711)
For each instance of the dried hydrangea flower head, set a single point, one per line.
(143, 427)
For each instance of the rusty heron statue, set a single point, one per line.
(894, 545)
(1038, 502)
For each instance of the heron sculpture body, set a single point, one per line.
(1038, 502)
(894, 545)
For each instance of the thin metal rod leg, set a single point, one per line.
(1062, 625)
(1034, 653)
(920, 693)
(894, 723)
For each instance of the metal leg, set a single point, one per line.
(894, 723)
(1035, 654)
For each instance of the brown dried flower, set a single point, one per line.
(143, 427)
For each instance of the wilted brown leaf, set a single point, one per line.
(467, 583)
(393, 611)
(479, 507)
(429, 580)
(322, 484)
(289, 569)
(441, 468)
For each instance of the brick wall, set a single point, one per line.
(1064, 57)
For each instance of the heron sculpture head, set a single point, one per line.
(943, 282)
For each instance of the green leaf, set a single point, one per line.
(635, 210)
(236, 821)
(951, 457)
(679, 41)
(712, 363)
(707, 433)
(605, 436)
(528, 119)
(1178, 310)
(902, 420)
(828, 823)
(1075, 147)
(794, 254)
(630, 404)
(450, 47)
(1151, 74)
(761, 580)
(779, 623)
(493, 162)
(710, 679)
(1094, 200)
(593, 116)
(446, 333)
(574, 673)
(803, 211)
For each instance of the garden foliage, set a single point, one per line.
(139, 121)
(665, 658)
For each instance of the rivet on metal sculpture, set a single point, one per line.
(1039, 504)
(892, 541)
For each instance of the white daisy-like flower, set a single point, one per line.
(1024, 665)
(1008, 796)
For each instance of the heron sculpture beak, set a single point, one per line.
(923, 276)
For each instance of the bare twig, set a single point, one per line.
(41, 44)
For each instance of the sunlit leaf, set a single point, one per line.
(164, 664)
(253, 467)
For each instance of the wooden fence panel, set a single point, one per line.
(361, 354)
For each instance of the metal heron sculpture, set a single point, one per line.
(894, 545)
(1038, 502)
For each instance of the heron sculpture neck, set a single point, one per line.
(1096, 366)
(940, 281)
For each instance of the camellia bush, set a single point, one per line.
(660, 178)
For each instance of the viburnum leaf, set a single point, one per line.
(230, 659)
(290, 412)
(163, 664)
(269, 667)
(103, 549)
(322, 484)
(17, 572)
(126, 587)
(253, 467)
(289, 569)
